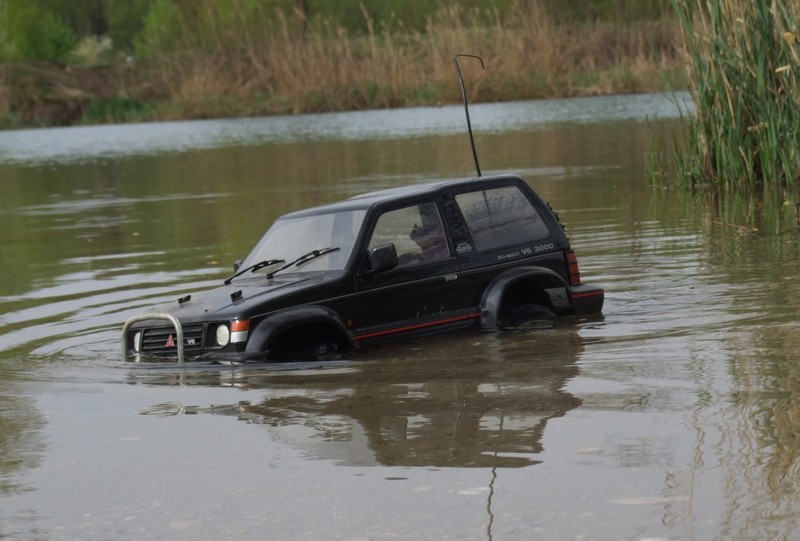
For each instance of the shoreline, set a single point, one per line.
(40, 95)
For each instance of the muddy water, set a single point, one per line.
(673, 416)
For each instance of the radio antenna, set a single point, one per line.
(466, 106)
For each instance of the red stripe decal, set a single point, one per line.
(418, 326)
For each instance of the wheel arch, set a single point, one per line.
(315, 319)
(518, 286)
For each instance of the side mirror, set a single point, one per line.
(383, 258)
(237, 265)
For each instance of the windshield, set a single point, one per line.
(291, 238)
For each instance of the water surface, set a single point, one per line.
(673, 416)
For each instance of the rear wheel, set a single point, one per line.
(529, 316)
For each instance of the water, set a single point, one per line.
(672, 417)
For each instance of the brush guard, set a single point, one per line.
(160, 316)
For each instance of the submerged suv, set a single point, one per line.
(391, 264)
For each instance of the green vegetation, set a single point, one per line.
(123, 20)
(745, 68)
(31, 32)
(91, 61)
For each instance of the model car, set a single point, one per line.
(485, 252)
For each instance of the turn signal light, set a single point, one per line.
(239, 330)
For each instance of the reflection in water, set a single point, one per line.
(21, 449)
(470, 400)
(758, 427)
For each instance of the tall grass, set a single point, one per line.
(249, 60)
(744, 75)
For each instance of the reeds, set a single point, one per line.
(256, 61)
(744, 73)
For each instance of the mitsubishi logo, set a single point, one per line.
(170, 342)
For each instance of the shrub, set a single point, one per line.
(93, 51)
(160, 29)
(30, 32)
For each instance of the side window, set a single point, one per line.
(416, 231)
(501, 217)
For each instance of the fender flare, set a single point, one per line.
(275, 324)
(493, 294)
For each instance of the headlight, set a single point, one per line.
(223, 335)
(137, 341)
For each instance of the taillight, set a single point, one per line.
(574, 271)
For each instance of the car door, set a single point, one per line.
(420, 294)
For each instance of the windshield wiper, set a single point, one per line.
(253, 268)
(305, 258)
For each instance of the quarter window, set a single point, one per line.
(501, 217)
(416, 232)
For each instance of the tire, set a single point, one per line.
(316, 350)
(530, 316)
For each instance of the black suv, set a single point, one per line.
(391, 264)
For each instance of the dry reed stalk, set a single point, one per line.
(528, 55)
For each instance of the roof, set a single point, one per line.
(366, 200)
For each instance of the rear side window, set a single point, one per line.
(501, 217)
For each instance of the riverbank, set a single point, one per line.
(531, 57)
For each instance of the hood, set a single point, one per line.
(244, 298)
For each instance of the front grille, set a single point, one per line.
(155, 340)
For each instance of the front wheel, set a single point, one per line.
(304, 350)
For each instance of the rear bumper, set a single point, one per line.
(587, 299)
